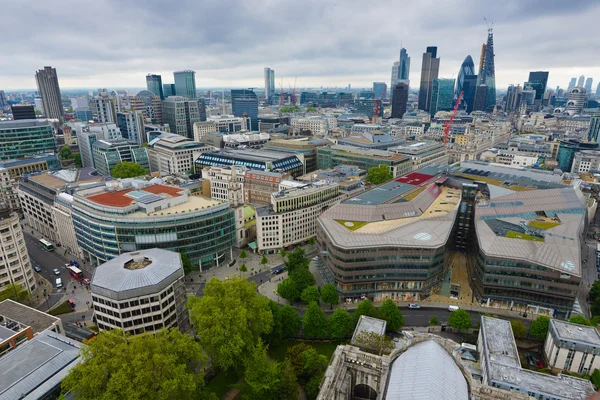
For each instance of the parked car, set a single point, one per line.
(316, 258)
(37, 269)
(413, 305)
(277, 270)
(56, 271)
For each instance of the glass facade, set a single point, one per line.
(244, 101)
(442, 93)
(185, 84)
(23, 138)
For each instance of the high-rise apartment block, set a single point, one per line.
(155, 85)
(181, 113)
(399, 100)
(245, 101)
(47, 83)
(185, 83)
(429, 71)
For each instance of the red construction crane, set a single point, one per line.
(449, 123)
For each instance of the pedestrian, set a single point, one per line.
(73, 291)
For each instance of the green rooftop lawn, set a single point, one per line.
(543, 224)
(523, 236)
(355, 224)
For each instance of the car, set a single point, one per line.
(74, 263)
(413, 305)
(316, 258)
(277, 270)
(37, 269)
(453, 308)
(67, 265)
(56, 271)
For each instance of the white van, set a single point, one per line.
(452, 308)
(58, 283)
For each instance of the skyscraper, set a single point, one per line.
(168, 89)
(185, 83)
(429, 71)
(2, 99)
(588, 85)
(598, 90)
(572, 84)
(581, 81)
(442, 93)
(469, 87)
(379, 89)
(244, 101)
(480, 103)
(467, 68)
(269, 84)
(399, 100)
(513, 98)
(154, 84)
(400, 70)
(47, 83)
(487, 70)
(538, 81)
(181, 113)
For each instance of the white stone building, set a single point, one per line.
(572, 347)
(586, 161)
(15, 266)
(174, 154)
(224, 124)
(318, 126)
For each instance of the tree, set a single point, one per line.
(539, 327)
(14, 292)
(310, 294)
(303, 278)
(243, 268)
(229, 318)
(288, 382)
(119, 366)
(595, 291)
(312, 241)
(264, 260)
(126, 169)
(433, 321)
(243, 255)
(390, 312)
(378, 175)
(297, 260)
(274, 337)
(460, 319)
(290, 321)
(379, 344)
(261, 376)
(341, 324)
(145, 144)
(186, 262)
(367, 308)
(580, 319)
(282, 253)
(77, 158)
(311, 109)
(595, 378)
(65, 152)
(294, 354)
(315, 322)
(314, 363)
(288, 290)
(312, 387)
(329, 295)
(518, 328)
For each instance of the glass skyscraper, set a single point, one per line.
(467, 68)
(185, 83)
(154, 84)
(538, 81)
(245, 101)
(487, 70)
(379, 89)
(429, 71)
(400, 70)
(442, 93)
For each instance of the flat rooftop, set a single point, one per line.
(577, 333)
(369, 324)
(259, 155)
(38, 321)
(58, 179)
(23, 123)
(120, 198)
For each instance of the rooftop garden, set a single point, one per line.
(523, 236)
(351, 225)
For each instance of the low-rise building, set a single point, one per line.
(264, 160)
(225, 182)
(87, 135)
(172, 154)
(518, 160)
(306, 147)
(423, 153)
(371, 139)
(221, 140)
(139, 292)
(107, 154)
(316, 126)
(586, 161)
(571, 347)
(223, 124)
(260, 185)
(41, 162)
(332, 156)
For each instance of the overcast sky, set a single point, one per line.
(115, 43)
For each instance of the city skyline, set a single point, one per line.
(330, 52)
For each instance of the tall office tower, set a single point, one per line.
(185, 83)
(400, 70)
(429, 71)
(442, 93)
(538, 81)
(577, 100)
(2, 99)
(598, 90)
(379, 90)
(467, 68)
(588, 85)
(469, 87)
(268, 91)
(480, 103)
(202, 109)
(168, 89)
(487, 70)
(47, 83)
(154, 84)
(581, 81)
(513, 98)
(181, 113)
(245, 101)
(572, 84)
(272, 81)
(399, 100)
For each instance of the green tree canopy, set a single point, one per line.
(126, 169)
(329, 294)
(310, 294)
(294, 354)
(378, 175)
(290, 321)
(77, 158)
(434, 321)
(186, 262)
(243, 254)
(460, 319)
(287, 110)
(274, 337)
(312, 241)
(367, 308)
(14, 292)
(297, 260)
(392, 314)
(117, 366)
(519, 329)
(311, 109)
(288, 290)
(341, 324)
(595, 378)
(229, 318)
(261, 376)
(264, 260)
(65, 152)
(580, 319)
(315, 322)
(379, 344)
(595, 291)
(288, 382)
(539, 327)
(243, 268)
(314, 363)
(303, 278)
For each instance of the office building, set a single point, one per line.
(22, 112)
(469, 88)
(315, 126)
(247, 140)
(571, 347)
(538, 81)
(501, 367)
(588, 85)
(104, 109)
(580, 81)
(155, 85)
(487, 71)
(291, 217)
(513, 98)
(594, 129)
(79, 102)
(169, 89)
(379, 90)
(370, 139)
(401, 70)
(269, 84)
(332, 156)
(15, 263)
(399, 100)
(3, 102)
(572, 83)
(223, 124)
(88, 134)
(180, 113)
(567, 150)
(368, 107)
(35, 163)
(263, 160)
(141, 291)
(598, 90)
(8, 194)
(466, 69)
(25, 138)
(107, 154)
(47, 83)
(185, 83)
(134, 215)
(83, 114)
(172, 154)
(259, 185)
(305, 148)
(131, 125)
(577, 100)
(244, 103)
(442, 95)
(480, 102)
(585, 161)
(429, 71)
(423, 153)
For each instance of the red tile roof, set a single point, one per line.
(119, 198)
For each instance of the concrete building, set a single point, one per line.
(84, 114)
(244, 103)
(226, 182)
(264, 160)
(429, 71)
(594, 129)
(132, 215)
(185, 83)
(180, 113)
(87, 135)
(586, 161)
(571, 347)
(246, 140)
(25, 138)
(104, 109)
(37, 163)
(315, 126)
(131, 125)
(223, 124)
(15, 265)
(107, 154)
(501, 367)
(47, 83)
(577, 100)
(8, 195)
(141, 291)
(305, 147)
(260, 185)
(370, 139)
(172, 154)
(332, 156)
(518, 160)
(568, 149)
(291, 217)
(22, 111)
(423, 153)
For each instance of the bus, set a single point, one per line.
(75, 273)
(46, 245)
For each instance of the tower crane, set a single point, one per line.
(449, 123)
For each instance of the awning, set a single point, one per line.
(252, 245)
